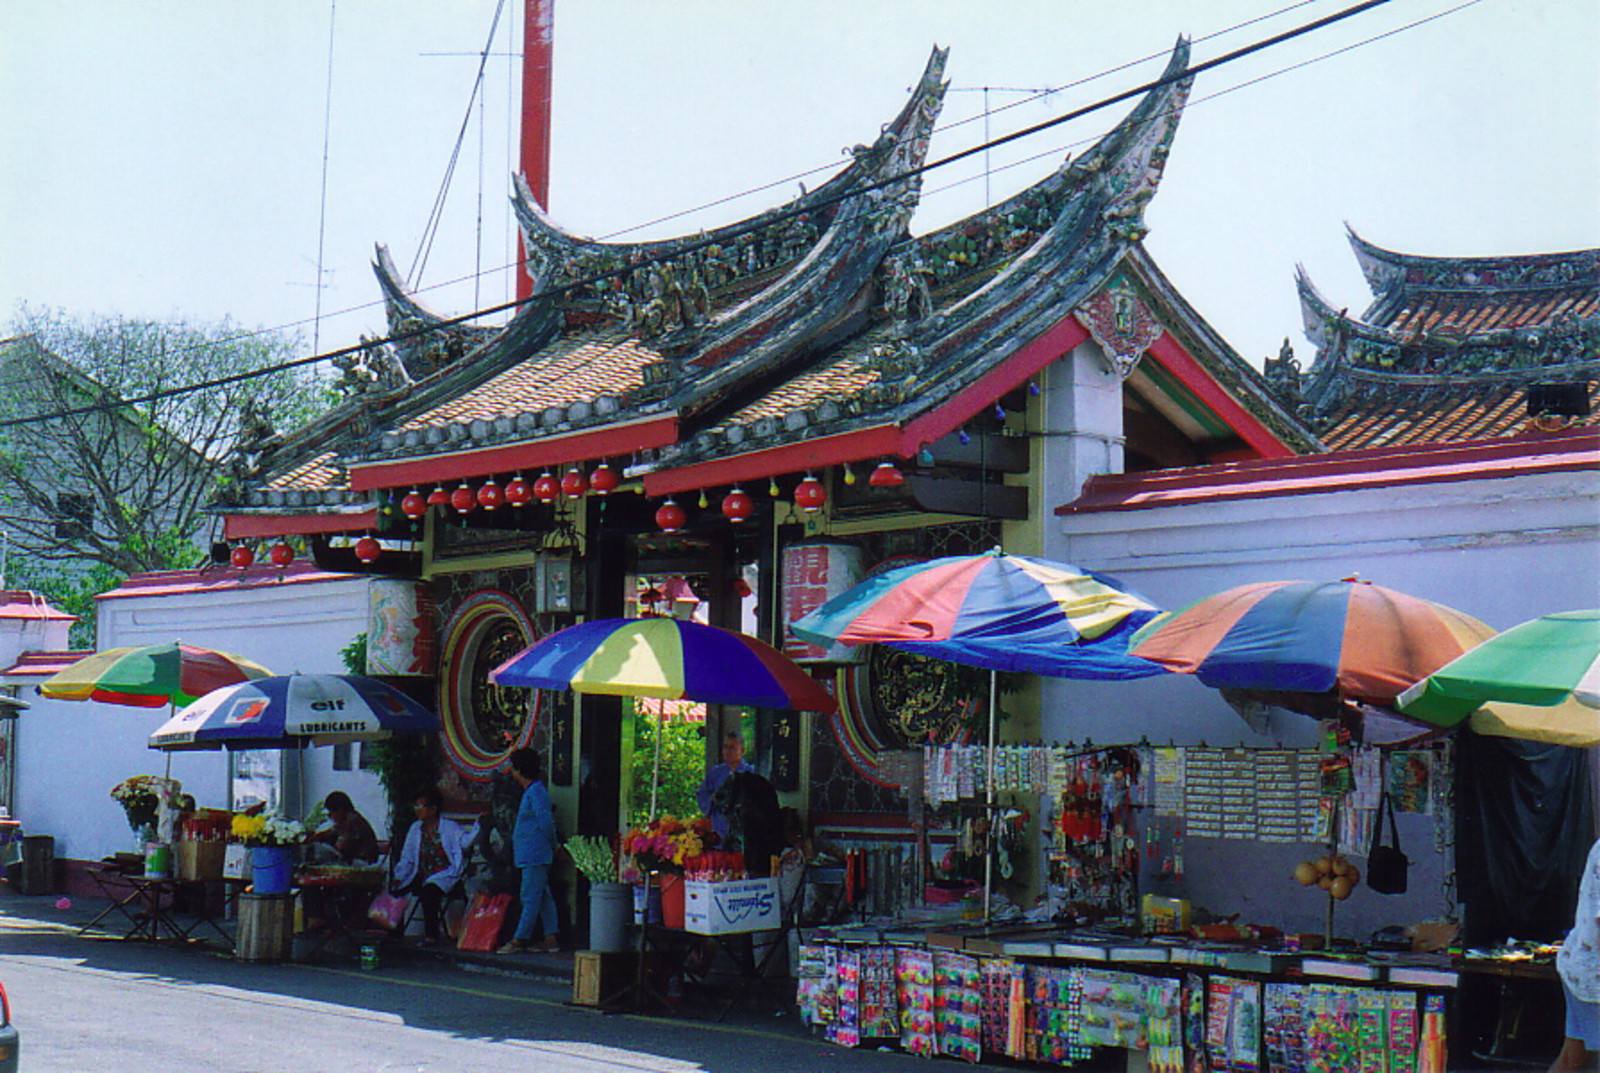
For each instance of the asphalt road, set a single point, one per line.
(99, 1004)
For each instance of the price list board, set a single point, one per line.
(1270, 795)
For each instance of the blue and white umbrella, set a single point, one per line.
(290, 711)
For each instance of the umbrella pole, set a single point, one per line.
(655, 770)
(988, 804)
(172, 710)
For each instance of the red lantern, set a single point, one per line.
(604, 479)
(670, 517)
(886, 476)
(438, 497)
(464, 499)
(367, 549)
(741, 588)
(574, 484)
(736, 506)
(809, 496)
(546, 489)
(489, 496)
(414, 505)
(282, 554)
(519, 493)
(242, 555)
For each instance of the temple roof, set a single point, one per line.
(823, 330)
(1448, 348)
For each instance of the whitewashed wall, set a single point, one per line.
(70, 754)
(1503, 550)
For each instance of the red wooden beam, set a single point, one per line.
(538, 26)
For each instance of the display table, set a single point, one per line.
(333, 904)
(148, 905)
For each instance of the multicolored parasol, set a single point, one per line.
(1539, 680)
(1003, 612)
(150, 676)
(294, 710)
(664, 657)
(1351, 638)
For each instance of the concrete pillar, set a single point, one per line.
(1080, 434)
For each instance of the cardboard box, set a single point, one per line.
(738, 905)
(199, 860)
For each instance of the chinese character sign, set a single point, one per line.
(813, 574)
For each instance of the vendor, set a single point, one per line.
(431, 861)
(1579, 966)
(732, 763)
(349, 836)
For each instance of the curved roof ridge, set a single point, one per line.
(1387, 269)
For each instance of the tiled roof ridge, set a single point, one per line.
(1388, 270)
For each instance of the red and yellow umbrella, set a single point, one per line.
(151, 676)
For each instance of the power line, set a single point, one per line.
(766, 221)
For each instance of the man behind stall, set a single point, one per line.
(349, 835)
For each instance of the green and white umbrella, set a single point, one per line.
(1539, 680)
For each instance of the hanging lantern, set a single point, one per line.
(414, 505)
(886, 476)
(519, 493)
(242, 555)
(810, 495)
(670, 517)
(772, 488)
(742, 589)
(603, 480)
(546, 489)
(574, 484)
(849, 474)
(282, 554)
(490, 496)
(737, 507)
(438, 497)
(368, 549)
(464, 499)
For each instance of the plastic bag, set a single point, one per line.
(387, 910)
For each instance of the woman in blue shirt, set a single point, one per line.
(533, 844)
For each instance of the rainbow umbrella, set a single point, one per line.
(1539, 680)
(668, 658)
(150, 676)
(1003, 612)
(1351, 639)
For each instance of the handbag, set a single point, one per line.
(387, 910)
(1386, 865)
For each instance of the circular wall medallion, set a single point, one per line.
(484, 722)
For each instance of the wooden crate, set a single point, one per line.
(266, 927)
(597, 975)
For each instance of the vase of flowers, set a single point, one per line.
(661, 849)
(272, 839)
(146, 800)
(610, 901)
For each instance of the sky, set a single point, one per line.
(187, 159)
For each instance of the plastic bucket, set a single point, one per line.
(610, 907)
(673, 894)
(272, 869)
(157, 859)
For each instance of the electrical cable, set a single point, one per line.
(767, 221)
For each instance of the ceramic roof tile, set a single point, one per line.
(1494, 310)
(570, 370)
(319, 472)
(1462, 415)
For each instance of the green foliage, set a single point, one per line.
(683, 767)
(404, 764)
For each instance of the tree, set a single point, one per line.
(124, 485)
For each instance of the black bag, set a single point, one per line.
(1386, 865)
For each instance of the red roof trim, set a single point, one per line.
(1171, 356)
(536, 454)
(45, 663)
(789, 458)
(1342, 471)
(266, 526)
(1049, 346)
(24, 603)
(220, 579)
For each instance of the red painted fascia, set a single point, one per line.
(1344, 471)
(605, 442)
(789, 458)
(1171, 355)
(220, 579)
(1049, 346)
(263, 526)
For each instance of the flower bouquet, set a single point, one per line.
(268, 830)
(594, 857)
(144, 798)
(663, 845)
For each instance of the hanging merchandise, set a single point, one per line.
(913, 972)
(1094, 856)
(958, 1006)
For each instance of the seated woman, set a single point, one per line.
(431, 860)
(350, 839)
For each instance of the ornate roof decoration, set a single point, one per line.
(1444, 338)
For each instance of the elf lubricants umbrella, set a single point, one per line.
(1003, 612)
(150, 676)
(667, 658)
(293, 710)
(1301, 642)
(1539, 680)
